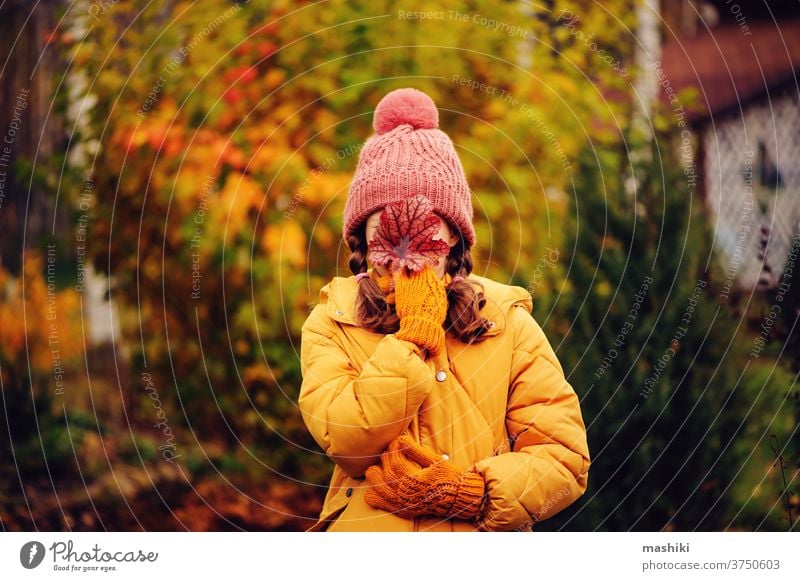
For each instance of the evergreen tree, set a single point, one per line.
(650, 349)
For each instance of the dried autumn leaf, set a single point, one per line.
(404, 236)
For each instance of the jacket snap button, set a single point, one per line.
(339, 312)
(491, 323)
(441, 375)
(445, 457)
(349, 492)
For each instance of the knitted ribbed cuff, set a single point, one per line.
(470, 497)
(424, 332)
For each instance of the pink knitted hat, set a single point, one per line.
(408, 155)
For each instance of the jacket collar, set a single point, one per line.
(340, 297)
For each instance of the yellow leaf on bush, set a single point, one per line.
(285, 241)
(321, 186)
(274, 78)
(239, 194)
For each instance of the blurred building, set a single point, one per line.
(742, 58)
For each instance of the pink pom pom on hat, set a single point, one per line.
(405, 107)
(409, 155)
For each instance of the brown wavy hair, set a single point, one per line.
(464, 321)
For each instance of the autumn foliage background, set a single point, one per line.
(207, 151)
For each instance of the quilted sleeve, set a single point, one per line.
(353, 416)
(547, 467)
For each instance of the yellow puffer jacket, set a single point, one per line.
(502, 406)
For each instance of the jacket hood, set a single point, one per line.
(340, 297)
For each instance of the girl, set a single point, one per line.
(436, 394)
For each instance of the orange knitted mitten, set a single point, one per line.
(385, 283)
(421, 303)
(414, 480)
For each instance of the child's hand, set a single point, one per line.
(414, 480)
(385, 282)
(421, 304)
